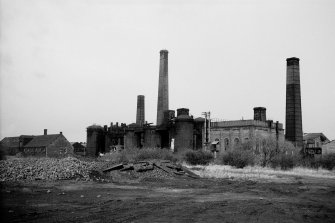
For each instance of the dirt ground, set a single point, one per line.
(171, 200)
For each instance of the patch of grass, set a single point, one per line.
(258, 173)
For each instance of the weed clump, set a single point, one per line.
(238, 158)
(328, 161)
(198, 157)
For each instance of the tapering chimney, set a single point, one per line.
(163, 87)
(45, 132)
(293, 120)
(140, 115)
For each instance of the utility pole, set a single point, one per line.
(207, 128)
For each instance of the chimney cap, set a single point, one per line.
(259, 108)
(163, 51)
(292, 58)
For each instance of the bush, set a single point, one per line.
(328, 161)
(198, 157)
(238, 158)
(284, 161)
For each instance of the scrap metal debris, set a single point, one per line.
(166, 166)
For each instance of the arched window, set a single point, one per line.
(236, 141)
(226, 144)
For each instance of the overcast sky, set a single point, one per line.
(68, 64)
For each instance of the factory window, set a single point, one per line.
(226, 144)
(236, 141)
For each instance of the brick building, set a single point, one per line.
(54, 145)
(14, 145)
(226, 135)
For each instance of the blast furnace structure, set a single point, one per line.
(183, 130)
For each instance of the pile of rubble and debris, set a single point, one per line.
(49, 169)
(152, 168)
(44, 169)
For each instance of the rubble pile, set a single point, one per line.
(153, 168)
(49, 169)
(45, 169)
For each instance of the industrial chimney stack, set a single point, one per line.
(293, 103)
(163, 87)
(260, 114)
(140, 115)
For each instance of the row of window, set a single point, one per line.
(34, 150)
(226, 142)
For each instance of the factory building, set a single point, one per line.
(180, 132)
(227, 135)
(183, 131)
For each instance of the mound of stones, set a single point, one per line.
(49, 169)
(44, 169)
(160, 168)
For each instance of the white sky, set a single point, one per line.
(68, 64)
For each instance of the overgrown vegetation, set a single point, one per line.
(135, 154)
(198, 157)
(264, 152)
(267, 152)
(238, 158)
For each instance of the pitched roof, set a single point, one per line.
(311, 136)
(10, 141)
(42, 140)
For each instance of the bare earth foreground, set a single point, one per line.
(182, 199)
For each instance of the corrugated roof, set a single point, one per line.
(42, 140)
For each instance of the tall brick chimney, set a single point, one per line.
(163, 87)
(293, 120)
(45, 132)
(140, 115)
